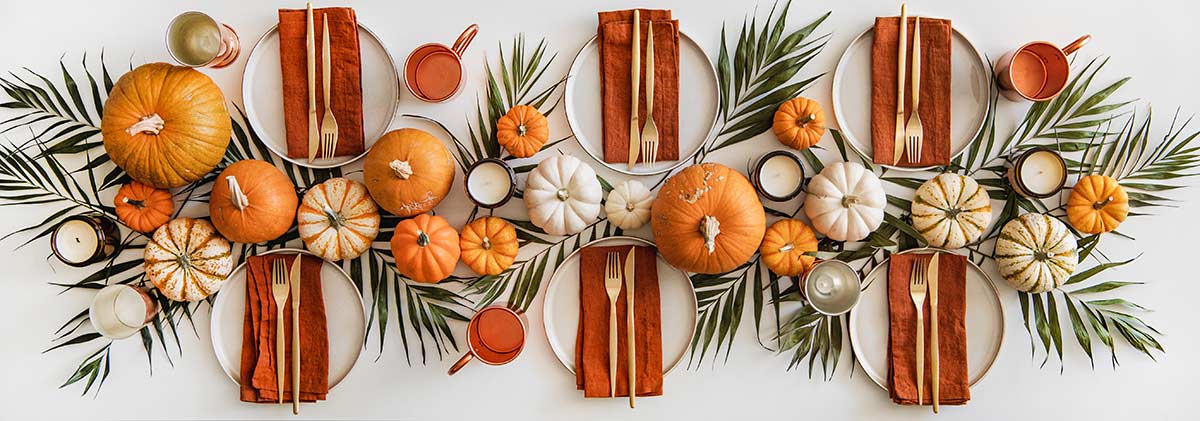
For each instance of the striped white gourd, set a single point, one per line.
(951, 211)
(187, 260)
(338, 220)
(1036, 253)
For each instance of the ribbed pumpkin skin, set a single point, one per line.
(951, 211)
(784, 245)
(1097, 204)
(522, 131)
(272, 202)
(337, 219)
(143, 208)
(187, 260)
(432, 172)
(799, 123)
(845, 201)
(195, 131)
(426, 248)
(1036, 253)
(489, 245)
(680, 210)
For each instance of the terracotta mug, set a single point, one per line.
(434, 72)
(1036, 71)
(495, 336)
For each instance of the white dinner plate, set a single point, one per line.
(560, 310)
(984, 322)
(344, 312)
(970, 82)
(697, 105)
(262, 83)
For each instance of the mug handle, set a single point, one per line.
(464, 40)
(1076, 45)
(460, 364)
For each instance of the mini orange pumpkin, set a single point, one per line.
(489, 245)
(252, 201)
(1097, 204)
(522, 131)
(426, 248)
(707, 219)
(408, 172)
(799, 123)
(784, 245)
(143, 208)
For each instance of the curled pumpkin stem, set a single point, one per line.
(1101, 205)
(135, 203)
(486, 244)
(786, 248)
(240, 200)
(803, 121)
(521, 130)
(151, 124)
(402, 169)
(422, 239)
(709, 228)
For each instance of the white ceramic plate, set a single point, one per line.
(970, 81)
(560, 310)
(344, 312)
(697, 105)
(262, 82)
(985, 323)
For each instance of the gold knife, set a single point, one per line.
(635, 139)
(311, 43)
(295, 274)
(899, 148)
(933, 327)
(629, 319)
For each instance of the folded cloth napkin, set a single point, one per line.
(345, 76)
(258, 334)
(615, 37)
(591, 344)
(952, 332)
(935, 89)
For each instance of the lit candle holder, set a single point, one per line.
(195, 39)
(778, 175)
(832, 287)
(81, 240)
(1038, 173)
(490, 183)
(119, 311)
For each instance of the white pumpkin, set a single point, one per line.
(1036, 253)
(563, 195)
(845, 201)
(951, 211)
(628, 205)
(187, 260)
(337, 219)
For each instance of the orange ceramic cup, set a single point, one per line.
(1037, 71)
(434, 72)
(495, 336)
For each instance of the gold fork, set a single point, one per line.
(916, 133)
(917, 287)
(650, 131)
(329, 128)
(279, 291)
(612, 284)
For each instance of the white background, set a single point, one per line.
(1151, 41)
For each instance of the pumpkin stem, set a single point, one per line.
(335, 220)
(1100, 205)
(709, 228)
(849, 200)
(422, 239)
(952, 213)
(486, 244)
(402, 169)
(629, 207)
(563, 194)
(152, 124)
(521, 130)
(240, 201)
(803, 121)
(786, 248)
(135, 203)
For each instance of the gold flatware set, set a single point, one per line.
(643, 141)
(322, 142)
(613, 273)
(910, 136)
(922, 283)
(283, 283)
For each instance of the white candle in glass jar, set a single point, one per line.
(1042, 172)
(76, 241)
(489, 183)
(780, 176)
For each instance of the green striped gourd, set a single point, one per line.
(1036, 253)
(951, 211)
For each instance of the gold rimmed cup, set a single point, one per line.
(195, 39)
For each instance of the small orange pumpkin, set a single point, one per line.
(142, 207)
(1097, 204)
(252, 202)
(784, 245)
(489, 245)
(522, 131)
(426, 248)
(799, 123)
(707, 219)
(408, 172)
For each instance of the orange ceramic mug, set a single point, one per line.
(495, 336)
(1037, 71)
(434, 72)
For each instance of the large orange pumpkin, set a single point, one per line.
(784, 246)
(522, 131)
(489, 245)
(143, 208)
(707, 219)
(799, 123)
(408, 172)
(165, 125)
(426, 248)
(252, 201)
(1097, 204)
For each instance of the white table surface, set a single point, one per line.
(1151, 41)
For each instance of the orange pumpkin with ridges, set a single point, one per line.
(426, 248)
(707, 219)
(143, 208)
(408, 172)
(252, 202)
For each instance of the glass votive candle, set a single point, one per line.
(119, 311)
(832, 287)
(81, 240)
(195, 39)
(1038, 173)
(777, 175)
(490, 183)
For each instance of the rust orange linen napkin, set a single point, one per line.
(258, 334)
(591, 344)
(615, 36)
(345, 76)
(935, 89)
(952, 332)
